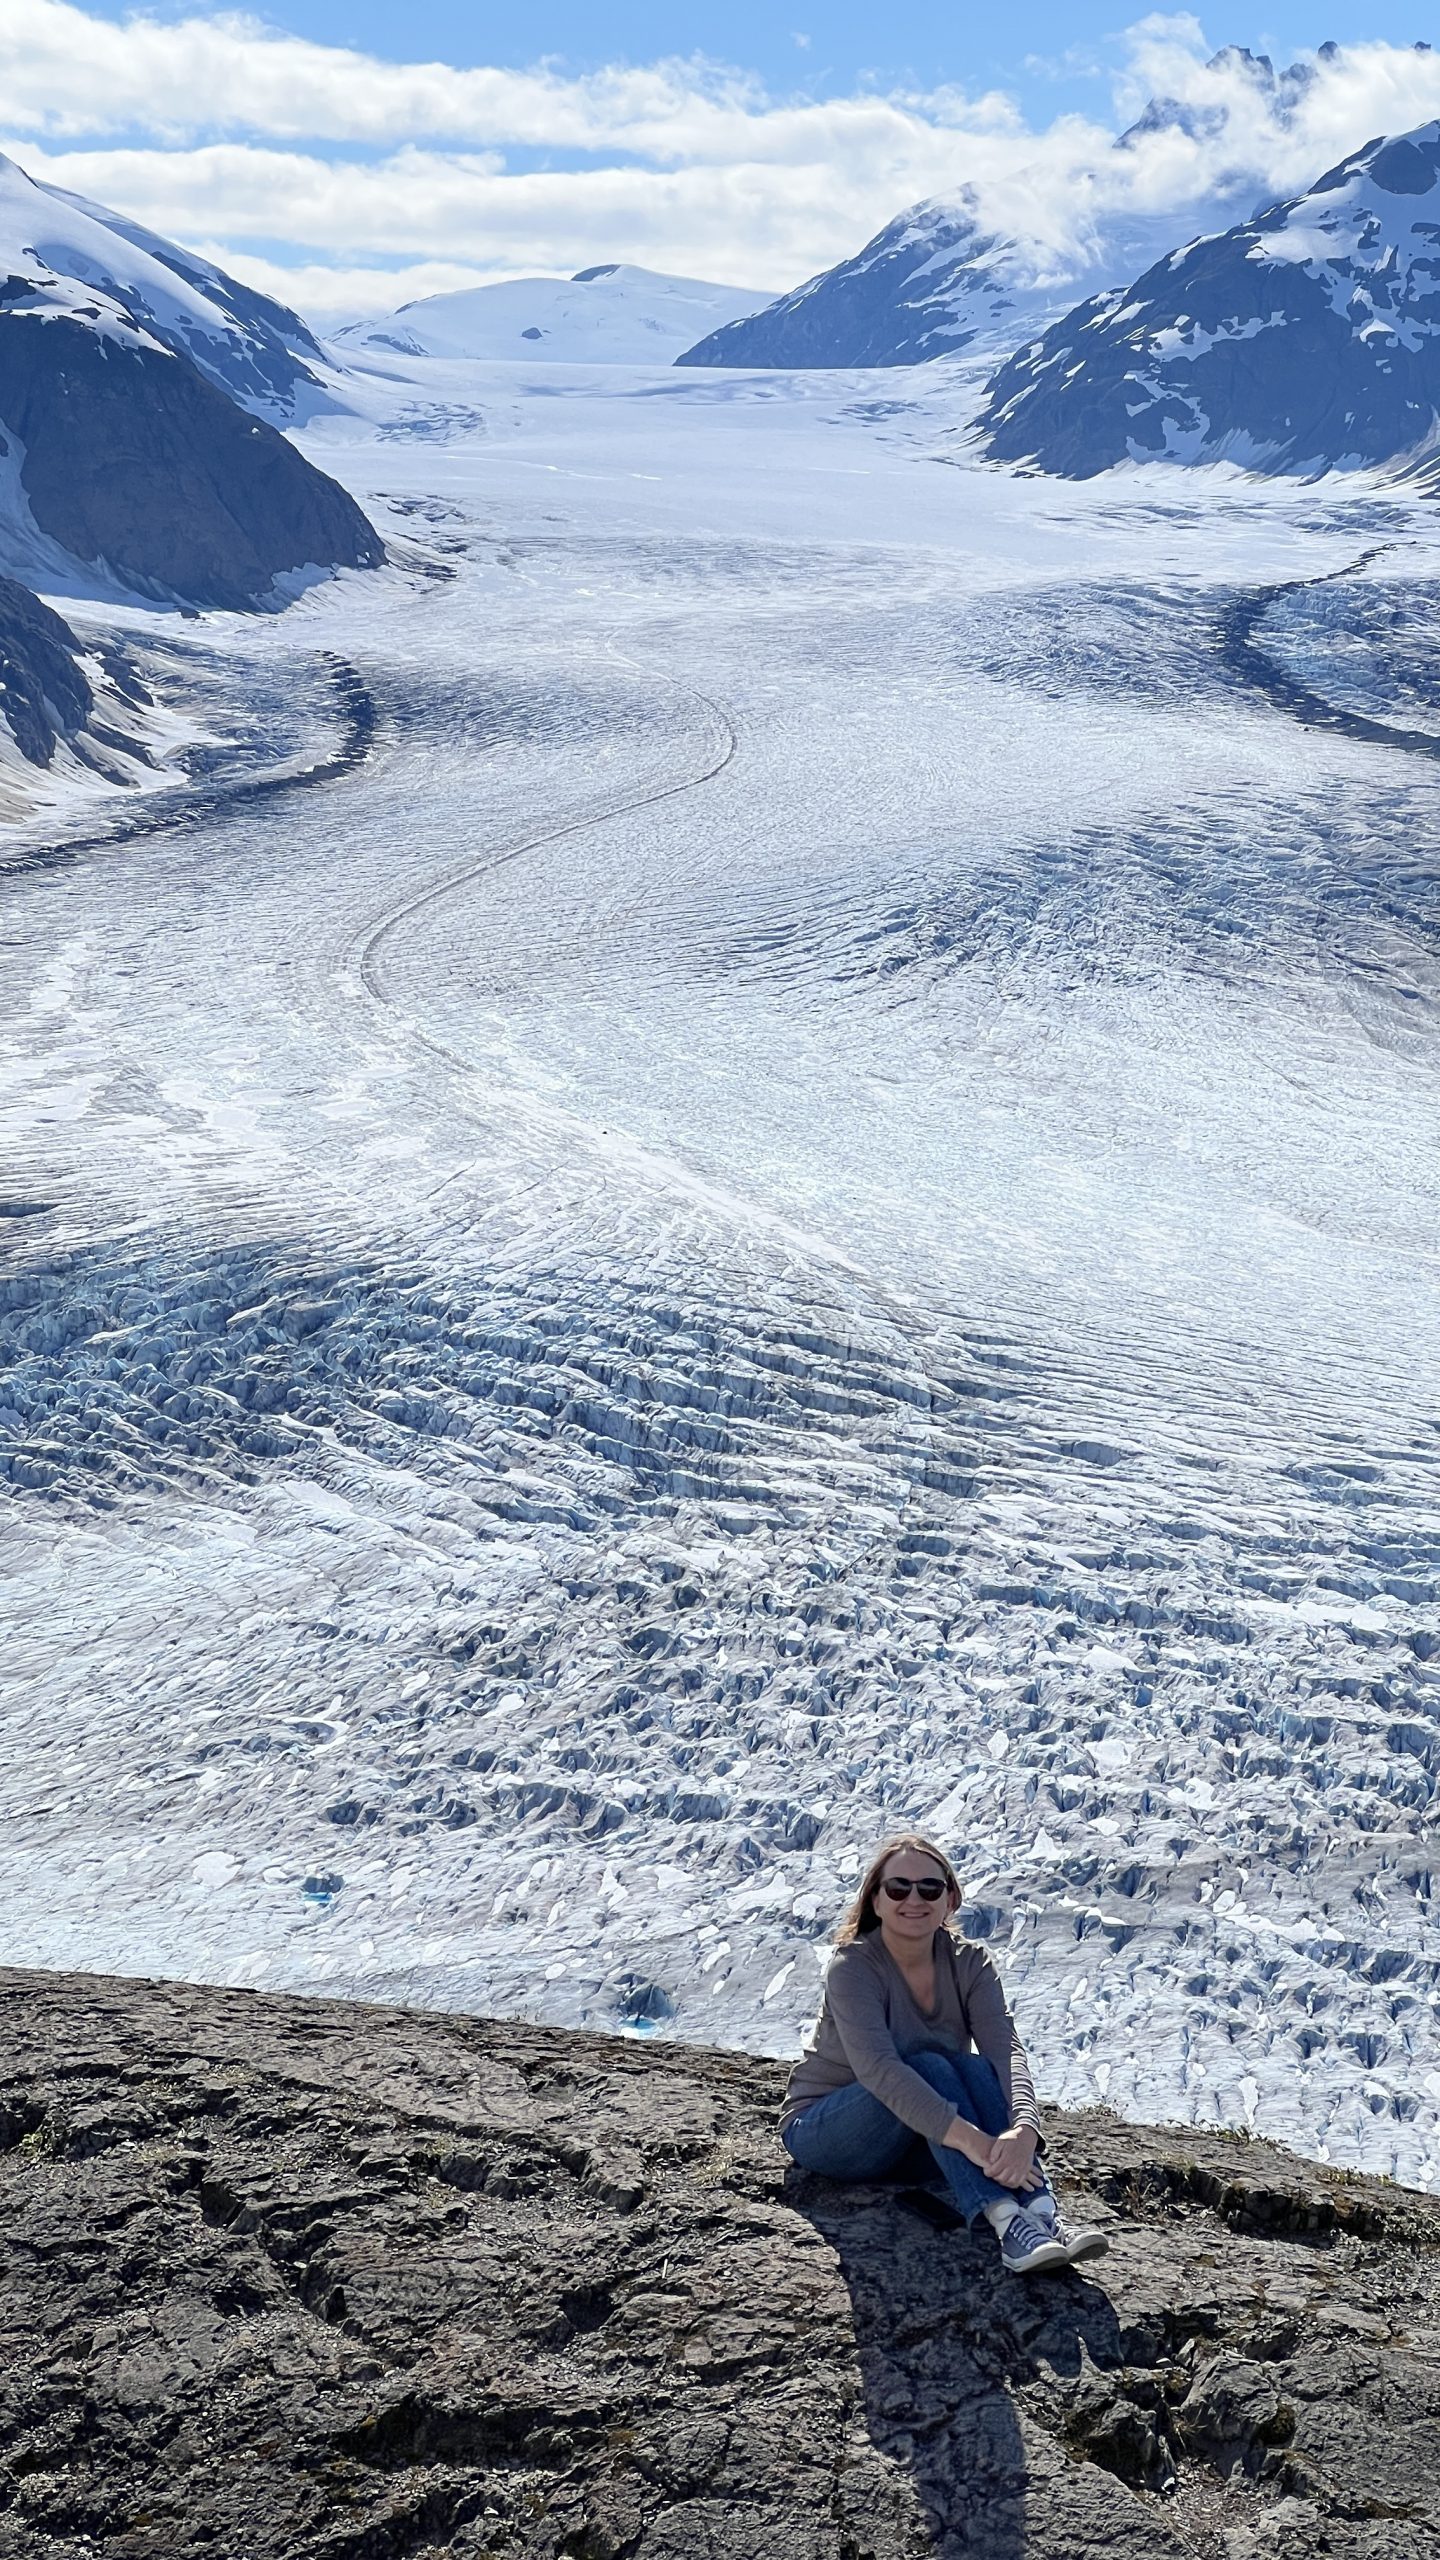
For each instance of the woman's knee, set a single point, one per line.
(967, 2079)
(980, 2076)
(848, 2134)
(941, 2070)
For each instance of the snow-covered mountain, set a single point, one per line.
(1305, 340)
(927, 285)
(254, 349)
(935, 282)
(942, 278)
(603, 315)
(129, 447)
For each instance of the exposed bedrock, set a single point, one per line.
(44, 692)
(301, 2278)
(46, 695)
(137, 465)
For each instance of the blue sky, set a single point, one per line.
(836, 45)
(349, 155)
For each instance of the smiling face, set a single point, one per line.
(908, 1924)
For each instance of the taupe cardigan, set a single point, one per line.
(869, 2020)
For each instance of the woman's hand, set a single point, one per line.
(961, 2135)
(1012, 2158)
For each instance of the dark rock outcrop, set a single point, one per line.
(134, 463)
(45, 693)
(294, 2280)
(1304, 341)
(47, 698)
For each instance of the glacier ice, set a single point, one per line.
(802, 1196)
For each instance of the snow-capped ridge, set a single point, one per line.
(1304, 340)
(606, 314)
(983, 269)
(928, 284)
(138, 454)
(56, 243)
(937, 281)
(948, 276)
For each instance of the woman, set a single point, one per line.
(914, 2038)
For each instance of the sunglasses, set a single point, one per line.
(900, 1888)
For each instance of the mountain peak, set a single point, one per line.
(247, 345)
(942, 277)
(1305, 340)
(606, 314)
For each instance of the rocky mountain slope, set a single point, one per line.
(932, 282)
(129, 461)
(297, 2278)
(129, 448)
(1306, 340)
(258, 351)
(603, 315)
(56, 694)
(937, 281)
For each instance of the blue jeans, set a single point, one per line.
(850, 2134)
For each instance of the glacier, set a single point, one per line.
(761, 1163)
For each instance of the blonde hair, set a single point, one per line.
(862, 1915)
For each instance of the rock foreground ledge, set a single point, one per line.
(288, 2278)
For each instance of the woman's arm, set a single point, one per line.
(985, 2148)
(855, 1999)
(992, 2032)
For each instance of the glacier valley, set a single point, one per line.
(763, 1164)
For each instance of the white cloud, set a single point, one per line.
(363, 168)
(64, 74)
(328, 295)
(1077, 62)
(749, 223)
(1360, 91)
